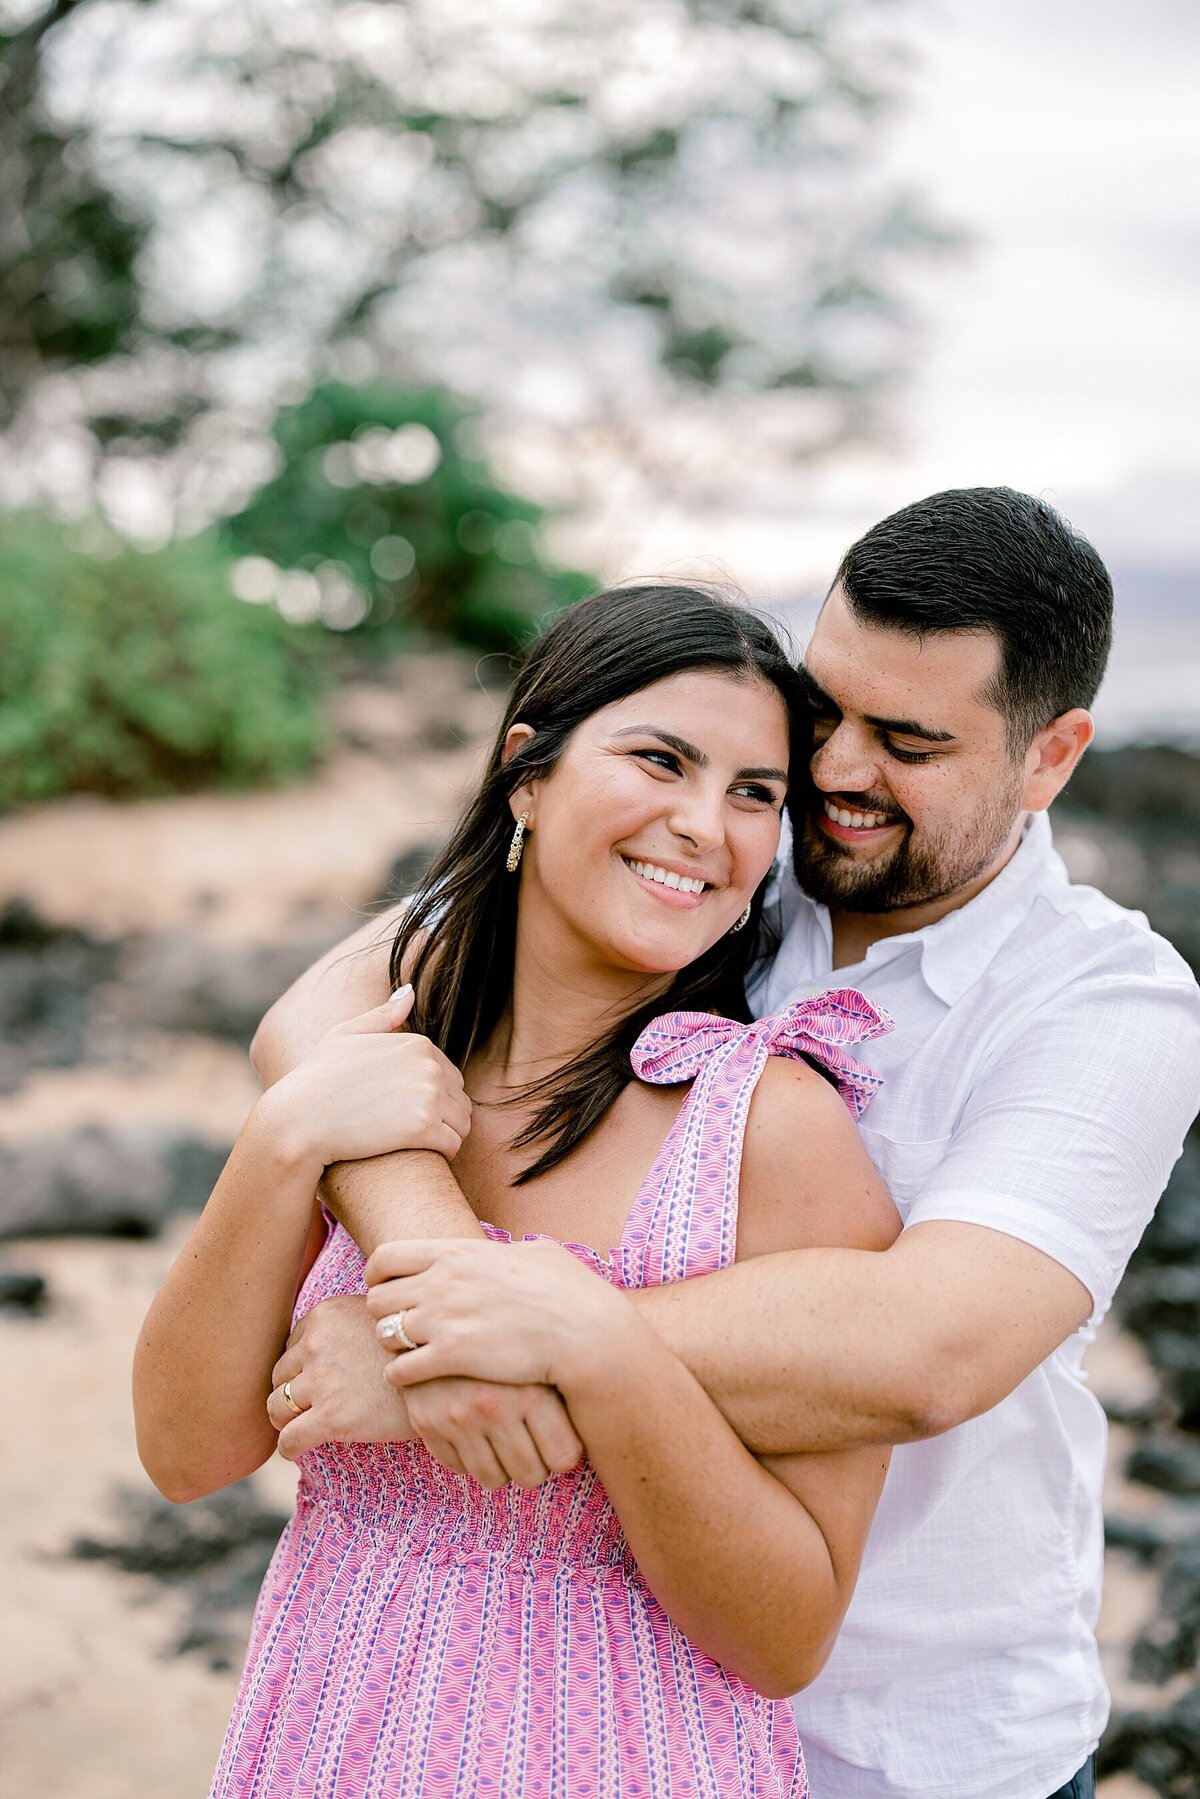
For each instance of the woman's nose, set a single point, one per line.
(699, 817)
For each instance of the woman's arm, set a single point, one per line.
(755, 1562)
(406, 1194)
(203, 1362)
(202, 1367)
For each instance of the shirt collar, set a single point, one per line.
(955, 951)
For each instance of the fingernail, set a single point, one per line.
(400, 993)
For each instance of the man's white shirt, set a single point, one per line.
(1043, 1070)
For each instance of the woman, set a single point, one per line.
(630, 1626)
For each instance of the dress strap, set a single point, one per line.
(692, 1226)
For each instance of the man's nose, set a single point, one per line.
(846, 762)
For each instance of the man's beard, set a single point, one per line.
(918, 871)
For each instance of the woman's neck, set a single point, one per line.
(561, 1006)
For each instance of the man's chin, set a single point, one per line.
(838, 876)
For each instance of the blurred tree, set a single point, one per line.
(126, 673)
(384, 511)
(642, 223)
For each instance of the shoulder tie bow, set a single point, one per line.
(679, 1045)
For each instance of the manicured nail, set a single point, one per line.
(400, 993)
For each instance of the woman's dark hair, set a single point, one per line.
(459, 932)
(992, 559)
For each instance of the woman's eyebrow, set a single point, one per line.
(691, 753)
(687, 750)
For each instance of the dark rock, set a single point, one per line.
(47, 976)
(218, 1548)
(1169, 1461)
(186, 982)
(1160, 1748)
(1143, 1537)
(408, 871)
(1151, 789)
(103, 1182)
(1161, 1297)
(22, 1292)
(1173, 1234)
(1168, 1646)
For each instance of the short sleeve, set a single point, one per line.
(1071, 1131)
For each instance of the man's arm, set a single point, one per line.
(1059, 1158)
(412, 1193)
(825, 1349)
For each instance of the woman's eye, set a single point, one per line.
(661, 758)
(765, 796)
(909, 755)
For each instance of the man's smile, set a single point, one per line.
(850, 823)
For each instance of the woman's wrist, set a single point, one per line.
(275, 1132)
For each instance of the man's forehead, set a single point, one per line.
(866, 667)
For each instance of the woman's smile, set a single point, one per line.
(667, 882)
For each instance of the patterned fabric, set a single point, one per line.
(418, 1637)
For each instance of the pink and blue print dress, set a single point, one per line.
(418, 1637)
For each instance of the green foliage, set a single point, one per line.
(383, 498)
(127, 673)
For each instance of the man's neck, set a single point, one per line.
(854, 932)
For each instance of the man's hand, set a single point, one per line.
(336, 1367)
(520, 1312)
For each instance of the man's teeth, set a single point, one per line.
(648, 872)
(857, 821)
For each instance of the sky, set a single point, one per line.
(1062, 350)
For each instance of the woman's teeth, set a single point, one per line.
(649, 872)
(857, 821)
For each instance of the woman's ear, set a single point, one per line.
(514, 738)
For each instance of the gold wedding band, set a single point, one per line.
(393, 1331)
(288, 1400)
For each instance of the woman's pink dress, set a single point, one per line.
(418, 1637)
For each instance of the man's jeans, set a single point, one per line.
(1084, 1784)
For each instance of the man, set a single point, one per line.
(1038, 1084)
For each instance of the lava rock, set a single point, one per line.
(103, 1182)
(186, 982)
(1167, 1460)
(22, 1292)
(1160, 1748)
(407, 872)
(47, 978)
(218, 1548)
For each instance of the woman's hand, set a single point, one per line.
(367, 1089)
(521, 1313)
(334, 1366)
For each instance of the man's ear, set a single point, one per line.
(521, 800)
(1051, 758)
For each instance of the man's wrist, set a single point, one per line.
(612, 1348)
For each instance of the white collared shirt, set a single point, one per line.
(1043, 1071)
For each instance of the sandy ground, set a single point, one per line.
(93, 1702)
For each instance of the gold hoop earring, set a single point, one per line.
(513, 861)
(742, 922)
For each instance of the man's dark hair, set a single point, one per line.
(990, 559)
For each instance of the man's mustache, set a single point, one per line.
(860, 802)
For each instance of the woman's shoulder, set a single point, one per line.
(807, 1180)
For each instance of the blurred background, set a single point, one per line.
(340, 344)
